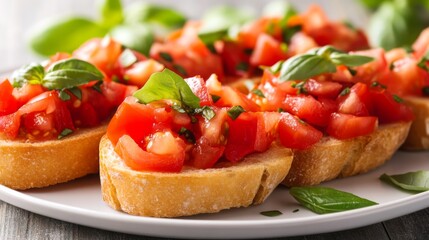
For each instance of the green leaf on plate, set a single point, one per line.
(412, 181)
(323, 200)
(111, 12)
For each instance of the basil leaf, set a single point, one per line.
(77, 92)
(65, 132)
(207, 112)
(139, 37)
(272, 213)
(63, 34)
(127, 58)
(189, 136)
(69, 73)
(302, 67)
(235, 112)
(217, 21)
(412, 181)
(349, 60)
(323, 200)
(394, 24)
(64, 95)
(279, 9)
(167, 85)
(258, 92)
(111, 12)
(147, 13)
(32, 73)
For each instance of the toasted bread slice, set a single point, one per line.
(25, 165)
(418, 138)
(332, 158)
(191, 191)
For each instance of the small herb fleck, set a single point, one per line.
(64, 133)
(97, 86)
(352, 71)
(272, 213)
(242, 66)
(180, 69)
(280, 110)
(345, 91)
(258, 92)
(296, 210)
(425, 91)
(235, 112)
(166, 56)
(300, 86)
(398, 99)
(64, 95)
(215, 98)
(189, 136)
(377, 84)
(78, 93)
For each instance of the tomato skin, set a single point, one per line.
(236, 62)
(420, 46)
(309, 109)
(326, 89)
(389, 110)
(9, 125)
(267, 52)
(8, 103)
(27, 92)
(296, 134)
(138, 73)
(407, 78)
(374, 71)
(138, 159)
(199, 88)
(346, 126)
(204, 155)
(357, 102)
(249, 34)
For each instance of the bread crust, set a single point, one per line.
(25, 165)
(332, 158)
(418, 138)
(191, 191)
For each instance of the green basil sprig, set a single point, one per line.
(315, 62)
(411, 181)
(167, 85)
(323, 200)
(64, 74)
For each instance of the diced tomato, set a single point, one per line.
(322, 88)
(228, 96)
(103, 53)
(295, 133)
(85, 115)
(267, 52)
(249, 34)
(138, 159)
(9, 125)
(138, 73)
(27, 92)
(395, 54)
(8, 103)
(115, 93)
(247, 134)
(374, 71)
(235, 59)
(407, 78)
(357, 101)
(301, 43)
(306, 107)
(389, 108)
(187, 55)
(346, 126)
(421, 45)
(199, 88)
(38, 123)
(204, 155)
(138, 121)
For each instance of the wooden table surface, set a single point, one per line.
(17, 17)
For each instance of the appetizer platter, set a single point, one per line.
(293, 117)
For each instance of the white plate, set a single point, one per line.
(80, 202)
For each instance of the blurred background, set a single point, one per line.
(19, 17)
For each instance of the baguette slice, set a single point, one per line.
(332, 158)
(418, 138)
(25, 165)
(191, 191)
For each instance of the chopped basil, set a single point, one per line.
(377, 84)
(127, 58)
(215, 98)
(272, 213)
(397, 99)
(425, 91)
(411, 181)
(167, 85)
(352, 71)
(189, 136)
(242, 66)
(280, 110)
(258, 92)
(345, 91)
(207, 112)
(65, 132)
(323, 200)
(180, 69)
(300, 86)
(97, 86)
(64, 95)
(235, 112)
(166, 56)
(319, 61)
(422, 63)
